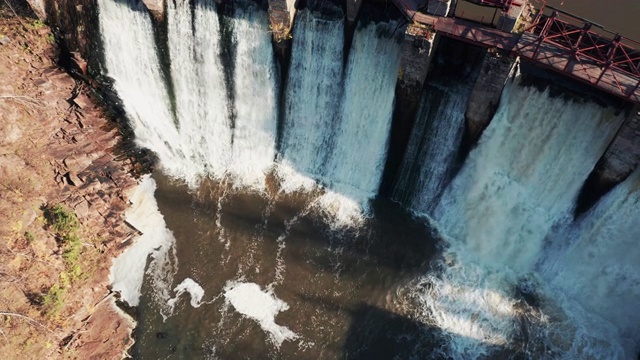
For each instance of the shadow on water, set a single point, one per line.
(327, 276)
(380, 334)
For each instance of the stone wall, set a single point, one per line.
(417, 49)
(486, 93)
(353, 7)
(623, 154)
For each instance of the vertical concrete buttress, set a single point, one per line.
(417, 49)
(623, 154)
(353, 7)
(486, 93)
(281, 14)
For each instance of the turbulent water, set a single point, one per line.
(246, 261)
(520, 182)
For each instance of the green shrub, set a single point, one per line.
(28, 235)
(53, 300)
(37, 24)
(72, 250)
(61, 220)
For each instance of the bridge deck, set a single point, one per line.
(534, 48)
(556, 58)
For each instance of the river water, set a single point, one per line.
(262, 233)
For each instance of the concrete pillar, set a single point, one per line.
(353, 7)
(486, 93)
(440, 7)
(281, 14)
(508, 20)
(623, 154)
(156, 8)
(417, 49)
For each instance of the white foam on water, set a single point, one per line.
(471, 305)
(341, 211)
(191, 287)
(128, 269)
(261, 306)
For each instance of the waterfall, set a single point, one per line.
(313, 94)
(204, 139)
(337, 130)
(434, 150)
(598, 275)
(516, 275)
(131, 60)
(434, 145)
(202, 105)
(360, 139)
(524, 175)
(523, 178)
(255, 97)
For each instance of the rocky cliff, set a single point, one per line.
(63, 196)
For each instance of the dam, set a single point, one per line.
(374, 180)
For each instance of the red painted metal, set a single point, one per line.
(557, 40)
(597, 56)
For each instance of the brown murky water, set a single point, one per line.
(340, 285)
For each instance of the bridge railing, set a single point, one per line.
(601, 55)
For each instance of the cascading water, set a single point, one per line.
(360, 139)
(499, 288)
(521, 180)
(525, 175)
(433, 150)
(131, 60)
(314, 92)
(203, 139)
(597, 275)
(337, 130)
(255, 78)
(433, 147)
(202, 106)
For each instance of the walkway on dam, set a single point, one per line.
(558, 41)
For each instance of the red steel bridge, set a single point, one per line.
(555, 40)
